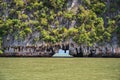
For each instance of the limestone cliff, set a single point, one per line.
(41, 28)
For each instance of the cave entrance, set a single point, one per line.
(62, 53)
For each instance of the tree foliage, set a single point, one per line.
(51, 18)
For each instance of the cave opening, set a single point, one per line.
(62, 53)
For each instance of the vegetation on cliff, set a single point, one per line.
(51, 21)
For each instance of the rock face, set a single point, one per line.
(38, 51)
(33, 51)
(30, 46)
(96, 51)
(74, 50)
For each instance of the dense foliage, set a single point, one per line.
(96, 20)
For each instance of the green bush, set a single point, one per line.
(1, 51)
